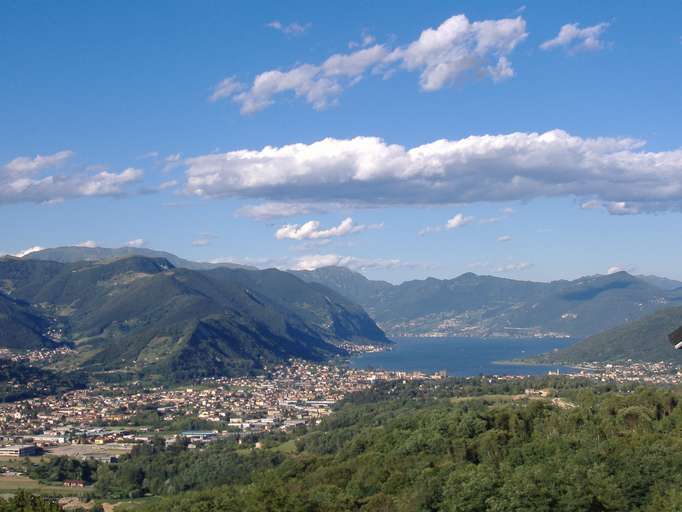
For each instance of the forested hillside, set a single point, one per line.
(642, 340)
(455, 445)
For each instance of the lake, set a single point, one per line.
(462, 356)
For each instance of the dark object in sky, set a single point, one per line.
(676, 338)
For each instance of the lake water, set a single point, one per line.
(461, 356)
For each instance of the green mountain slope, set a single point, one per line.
(146, 317)
(643, 340)
(473, 305)
(20, 327)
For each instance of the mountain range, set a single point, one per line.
(146, 317)
(149, 312)
(487, 306)
(72, 254)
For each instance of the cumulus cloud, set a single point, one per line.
(27, 164)
(315, 261)
(28, 251)
(517, 166)
(291, 29)
(622, 207)
(26, 179)
(458, 46)
(574, 39)
(138, 242)
(311, 230)
(456, 222)
(614, 270)
(441, 56)
(90, 244)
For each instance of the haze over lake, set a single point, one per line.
(461, 356)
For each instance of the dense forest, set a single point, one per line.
(25, 502)
(595, 449)
(543, 444)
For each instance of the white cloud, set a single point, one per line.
(292, 29)
(23, 179)
(88, 243)
(622, 208)
(311, 230)
(27, 164)
(138, 242)
(226, 88)
(314, 261)
(201, 242)
(513, 267)
(504, 238)
(506, 213)
(592, 204)
(614, 270)
(274, 210)
(168, 184)
(441, 56)
(573, 38)
(366, 40)
(318, 85)
(28, 251)
(517, 166)
(458, 46)
(458, 221)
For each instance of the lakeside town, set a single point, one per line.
(104, 421)
(287, 396)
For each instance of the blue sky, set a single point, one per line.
(115, 130)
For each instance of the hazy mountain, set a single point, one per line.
(73, 254)
(662, 282)
(146, 316)
(473, 305)
(642, 340)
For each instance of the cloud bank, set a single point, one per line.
(442, 56)
(26, 179)
(367, 171)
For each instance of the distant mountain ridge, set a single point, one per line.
(146, 317)
(73, 254)
(488, 306)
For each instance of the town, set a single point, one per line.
(103, 421)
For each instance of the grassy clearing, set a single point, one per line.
(10, 484)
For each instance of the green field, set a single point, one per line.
(9, 484)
